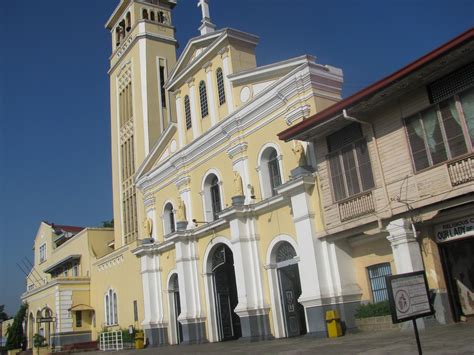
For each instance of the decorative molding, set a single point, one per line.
(110, 263)
(224, 52)
(183, 181)
(298, 113)
(207, 67)
(190, 82)
(236, 149)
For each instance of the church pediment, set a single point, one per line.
(200, 49)
(164, 147)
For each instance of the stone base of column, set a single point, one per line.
(443, 314)
(156, 336)
(316, 318)
(255, 328)
(194, 333)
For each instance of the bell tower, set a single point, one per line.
(143, 53)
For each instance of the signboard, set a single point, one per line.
(408, 296)
(457, 229)
(46, 320)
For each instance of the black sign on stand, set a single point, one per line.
(409, 299)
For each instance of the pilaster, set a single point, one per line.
(211, 93)
(224, 53)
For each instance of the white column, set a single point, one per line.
(153, 300)
(180, 119)
(211, 93)
(188, 279)
(405, 247)
(192, 102)
(312, 251)
(224, 52)
(248, 275)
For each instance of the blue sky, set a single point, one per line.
(54, 94)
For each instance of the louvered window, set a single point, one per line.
(187, 112)
(220, 86)
(442, 132)
(349, 162)
(203, 99)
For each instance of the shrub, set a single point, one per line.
(373, 310)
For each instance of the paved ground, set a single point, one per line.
(451, 339)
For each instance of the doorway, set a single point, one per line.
(458, 265)
(225, 291)
(290, 290)
(175, 307)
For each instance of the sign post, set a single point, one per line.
(409, 299)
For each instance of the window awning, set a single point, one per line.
(62, 262)
(81, 307)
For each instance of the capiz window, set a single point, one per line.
(442, 132)
(349, 162)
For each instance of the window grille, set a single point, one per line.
(378, 285)
(220, 86)
(78, 319)
(452, 84)
(285, 252)
(187, 112)
(203, 99)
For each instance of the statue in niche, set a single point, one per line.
(181, 210)
(148, 227)
(238, 186)
(298, 151)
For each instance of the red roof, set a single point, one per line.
(337, 108)
(70, 229)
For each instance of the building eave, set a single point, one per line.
(336, 109)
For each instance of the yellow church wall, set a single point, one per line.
(120, 271)
(372, 252)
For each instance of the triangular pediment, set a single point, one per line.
(198, 51)
(164, 147)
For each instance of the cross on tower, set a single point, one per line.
(206, 25)
(204, 4)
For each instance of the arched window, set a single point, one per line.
(212, 197)
(203, 99)
(161, 17)
(187, 112)
(129, 22)
(111, 315)
(168, 219)
(220, 86)
(145, 14)
(270, 172)
(152, 15)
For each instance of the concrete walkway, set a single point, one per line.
(450, 339)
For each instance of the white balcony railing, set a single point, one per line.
(461, 171)
(356, 207)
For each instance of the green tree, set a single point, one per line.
(108, 224)
(3, 315)
(15, 336)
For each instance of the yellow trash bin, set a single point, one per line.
(139, 339)
(333, 323)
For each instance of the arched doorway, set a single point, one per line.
(175, 310)
(290, 290)
(225, 293)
